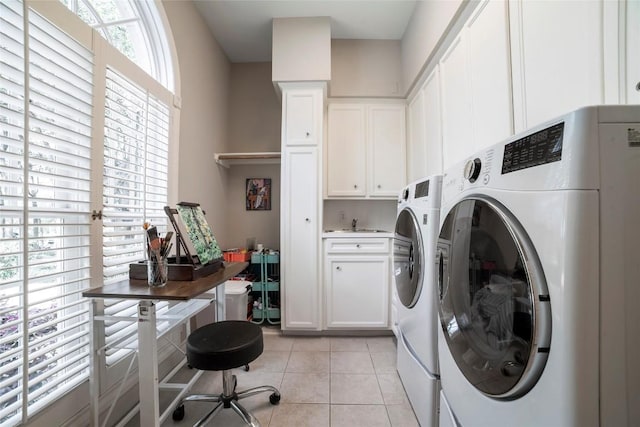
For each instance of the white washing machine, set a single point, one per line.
(539, 277)
(414, 245)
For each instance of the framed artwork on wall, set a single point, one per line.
(258, 194)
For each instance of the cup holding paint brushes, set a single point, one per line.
(158, 251)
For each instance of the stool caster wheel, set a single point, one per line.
(246, 368)
(178, 413)
(274, 399)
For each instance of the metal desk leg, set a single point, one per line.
(221, 313)
(148, 365)
(94, 370)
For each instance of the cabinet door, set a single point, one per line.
(487, 35)
(456, 104)
(357, 292)
(416, 138)
(632, 55)
(300, 234)
(387, 149)
(301, 117)
(346, 150)
(432, 124)
(557, 57)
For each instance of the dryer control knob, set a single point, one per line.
(472, 170)
(405, 194)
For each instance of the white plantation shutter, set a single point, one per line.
(44, 214)
(136, 147)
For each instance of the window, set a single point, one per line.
(44, 214)
(78, 135)
(134, 28)
(136, 150)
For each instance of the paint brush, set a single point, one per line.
(154, 241)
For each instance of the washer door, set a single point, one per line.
(494, 304)
(408, 258)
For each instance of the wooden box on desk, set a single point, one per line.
(181, 270)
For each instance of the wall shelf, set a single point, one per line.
(262, 158)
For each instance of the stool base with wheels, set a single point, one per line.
(223, 346)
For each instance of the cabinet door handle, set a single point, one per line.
(357, 245)
(339, 268)
(638, 87)
(308, 133)
(355, 186)
(379, 186)
(307, 219)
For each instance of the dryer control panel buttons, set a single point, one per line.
(472, 170)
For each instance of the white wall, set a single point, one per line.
(374, 214)
(366, 68)
(264, 226)
(301, 49)
(205, 73)
(255, 111)
(254, 125)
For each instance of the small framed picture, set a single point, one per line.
(258, 194)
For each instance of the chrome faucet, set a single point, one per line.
(354, 223)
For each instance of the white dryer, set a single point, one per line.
(416, 234)
(539, 277)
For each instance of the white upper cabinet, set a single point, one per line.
(632, 53)
(366, 150)
(456, 104)
(433, 124)
(557, 58)
(387, 142)
(416, 138)
(487, 35)
(346, 161)
(424, 130)
(476, 84)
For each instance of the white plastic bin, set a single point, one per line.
(236, 299)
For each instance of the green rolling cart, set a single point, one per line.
(268, 287)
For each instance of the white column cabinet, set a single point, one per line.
(302, 124)
(300, 210)
(357, 284)
(366, 150)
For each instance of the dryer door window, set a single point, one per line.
(408, 258)
(494, 305)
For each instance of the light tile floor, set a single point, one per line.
(324, 382)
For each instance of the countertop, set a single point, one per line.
(341, 234)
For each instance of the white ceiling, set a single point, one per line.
(243, 27)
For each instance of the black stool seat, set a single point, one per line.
(224, 345)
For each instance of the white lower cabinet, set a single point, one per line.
(357, 285)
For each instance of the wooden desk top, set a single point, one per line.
(173, 290)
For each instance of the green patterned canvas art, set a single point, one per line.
(199, 233)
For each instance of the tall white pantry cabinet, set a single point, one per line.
(300, 220)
